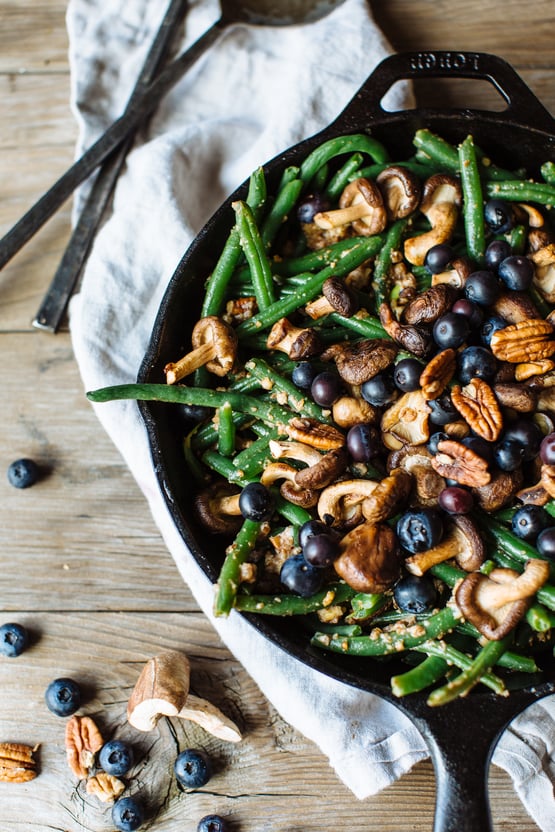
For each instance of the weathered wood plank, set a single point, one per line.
(33, 38)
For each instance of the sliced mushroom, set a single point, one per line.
(321, 470)
(162, 689)
(441, 199)
(214, 347)
(294, 450)
(406, 421)
(340, 504)
(361, 206)
(400, 190)
(289, 489)
(430, 305)
(295, 342)
(417, 461)
(518, 397)
(360, 361)
(495, 603)
(456, 276)
(462, 541)
(369, 559)
(499, 491)
(388, 497)
(217, 508)
(531, 215)
(544, 272)
(414, 339)
(348, 411)
(336, 297)
(515, 307)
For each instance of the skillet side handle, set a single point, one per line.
(522, 105)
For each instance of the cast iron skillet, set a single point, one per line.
(461, 736)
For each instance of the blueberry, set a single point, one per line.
(545, 543)
(23, 473)
(193, 768)
(490, 326)
(451, 330)
(309, 529)
(470, 310)
(301, 577)
(321, 550)
(326, 388)
(310, 205)
(456, 500)
(406, 375)
(547, 449)
(508, 454)
(499, 215)
(256, 503)
(13, 639)
(529, 521)
(63, 697)
(363, 442)
(442, 410)
(480, 446)
(434, 440)
(128, 814)
(476, 362)
(116, 757)
(420, 529)
(193, 414)
(497, 251)
(303, 375)
(213, 823)
(528, 434)
(415, 594)
(438, 258)
(516, 272)
(482, 287)
(379, 390)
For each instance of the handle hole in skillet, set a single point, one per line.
(447, 93)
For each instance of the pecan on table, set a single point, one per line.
(105, 786)
(16, 762)
(83, 740)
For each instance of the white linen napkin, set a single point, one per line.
(258, 91)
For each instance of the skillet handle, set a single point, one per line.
(522, 105)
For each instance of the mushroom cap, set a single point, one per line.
(325, 471)
(514, 307)
(412, 338)
(438, 188)
(290, 490)
(206, 506)
(212, 330)
(297, 343)
(160, 690)
(360, 361)
(430, 305)
(417, 461)
(337, 501)
(349, 411)
(499, 491)
(461, 541)
(406, 421)
(364, 190)
(401, 191)
(340, 297)
(369, 559)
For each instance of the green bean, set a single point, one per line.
(365, 325)
(381, 277)
(433, 147)
(548, 172)
(294, 267)
(521, 190)
(540, 619)
(217, 283)
(290, 173)
(208, 434)
(340, 179)
(418, 678)
(226, 430)
(349, 260)
(422, 169)
(236, 555)
(514, 546)
(472, 200)
(255, 253)
(285, 202)
(358, 142)
(515, 662)
(318, 181)
(179, 394)
(296, 399)
(517, 239)
(365, 605)
(461, 660)
(467, 679)
(250, 462)
(387, 643)
(284, 605)
(340, 629)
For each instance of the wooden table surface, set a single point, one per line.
(82, 563)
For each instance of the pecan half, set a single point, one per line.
(438, 372)
(531, 369)
(16, 762)
(478, 406)
(315, 433)
(83, 740)
(524, 341)
(105, 786)
(388, 496)
(455, 461)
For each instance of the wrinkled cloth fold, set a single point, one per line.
(258, 91)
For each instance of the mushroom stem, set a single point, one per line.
(318, 308)
(343, 216)
(423, 561)
(229, 505)
(177, 370)
(210, 718)
(504, 587)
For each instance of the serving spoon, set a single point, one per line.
(252, 12)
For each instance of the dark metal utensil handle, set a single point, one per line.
(49, 203)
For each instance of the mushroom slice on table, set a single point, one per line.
(495, 603)
(462, 542)
(441, 200)
(214, 347)
(369, 559)
(162, 689)
(361, 206)
(295, 342)
(401, 191)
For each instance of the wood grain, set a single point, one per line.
(82, 563)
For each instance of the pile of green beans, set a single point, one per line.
(266, 257)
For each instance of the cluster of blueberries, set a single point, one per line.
(63, 697)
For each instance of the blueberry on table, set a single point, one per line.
(213, 823)
(127, 814)
(415, 594)
(301, 577)
(23, 473)
(116, 757)
(13, 639)
(193, 768)
(256, 503)
(528, 521)
(63, 696)
(419, 529)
